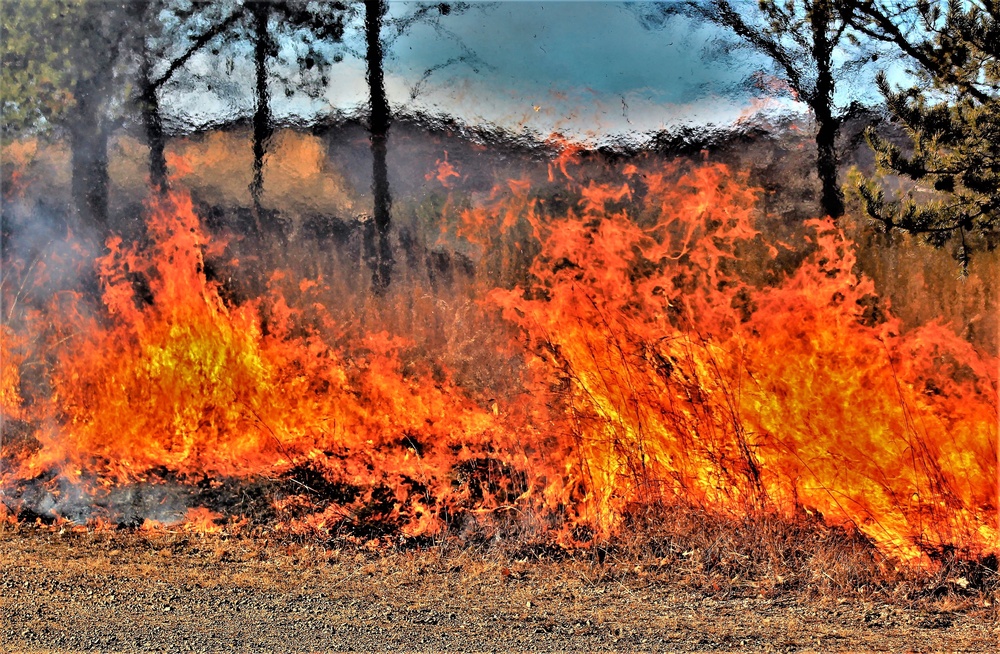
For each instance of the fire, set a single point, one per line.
(658, 370)
(677, 380)
(444, 172)
(202, 521)
(10, 375)
(176, 378)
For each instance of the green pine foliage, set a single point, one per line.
(952, 116)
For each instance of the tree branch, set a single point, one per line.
(890, 31)
(198, 44)
(729, 17)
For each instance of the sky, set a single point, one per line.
(582, 68)
(588, 70)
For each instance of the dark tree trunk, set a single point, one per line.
(143, 13)
(379, 122)
(88, 125)
(827, 165)
(89, 143)
(822, 105)
(262, 128)
(153, 124)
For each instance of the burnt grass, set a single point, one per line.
(675, 577)
(798, 555)
(682, 581)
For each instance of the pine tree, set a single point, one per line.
(952, 116)
(813, 48)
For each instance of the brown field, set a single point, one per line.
(128, 592)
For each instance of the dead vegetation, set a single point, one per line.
(686, 583)
(490, 577)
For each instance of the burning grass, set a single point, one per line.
(611, 370)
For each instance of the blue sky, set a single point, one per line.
(589, 70)
(574, 66)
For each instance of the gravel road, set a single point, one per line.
(178, 593)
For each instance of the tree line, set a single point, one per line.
(85, 68)
(949, 105)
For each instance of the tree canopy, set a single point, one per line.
(814, 47)
(85, 68)
(951, 113)
(52, 51)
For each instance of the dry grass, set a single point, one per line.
(771, 556)
(763, 557)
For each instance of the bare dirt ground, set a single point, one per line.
(115, 592)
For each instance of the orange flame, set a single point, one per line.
(11, 358)
(202, 520)
(444, 171)
(680, 381)
(657, 371)
(192, 384)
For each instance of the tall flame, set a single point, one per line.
(680, 381)
(659, 371)
(178, 379)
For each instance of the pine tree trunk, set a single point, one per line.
(827, 164)
(89, 144)
(379, 122)
(153, 124)
(262, 127)
(822, 105)
(143, 14)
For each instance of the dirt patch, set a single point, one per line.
(127, 592)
